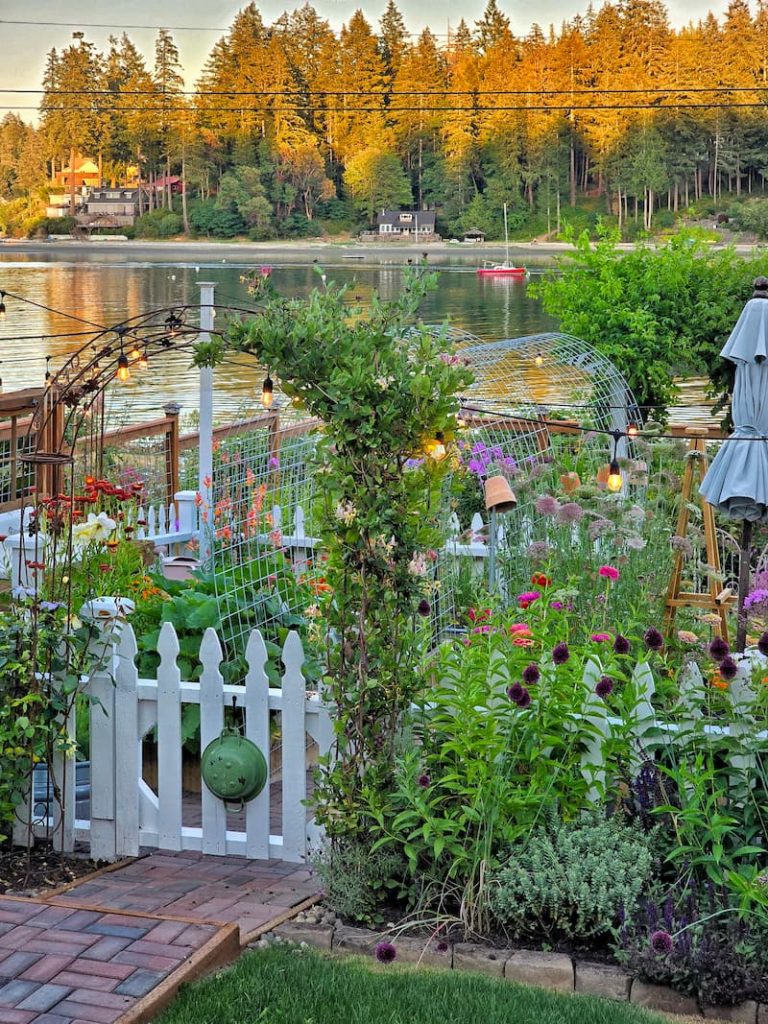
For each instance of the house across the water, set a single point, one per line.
(403, 225)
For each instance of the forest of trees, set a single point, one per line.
(294, 129)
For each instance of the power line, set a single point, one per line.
(594, 91)
(675, 106)
(151, 28)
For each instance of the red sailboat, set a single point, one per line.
(505, 269)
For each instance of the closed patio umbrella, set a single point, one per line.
(737, 480)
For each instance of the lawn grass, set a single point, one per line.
(297, 986)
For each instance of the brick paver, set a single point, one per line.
(90, 954)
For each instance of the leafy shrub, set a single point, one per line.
(355, 883)
(751, 216)
(572, 879)
(696, 943)
(159, 224)
(207, 217)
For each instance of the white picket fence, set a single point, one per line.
(126, 813)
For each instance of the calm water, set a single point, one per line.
(108, 288)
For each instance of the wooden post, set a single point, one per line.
(171, 410)
(715, 598)
(273, 443)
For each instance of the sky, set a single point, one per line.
(24, 46)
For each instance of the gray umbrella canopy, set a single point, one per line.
(737, 480)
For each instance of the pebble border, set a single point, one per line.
(558, 972)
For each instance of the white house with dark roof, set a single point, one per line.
(416, 225)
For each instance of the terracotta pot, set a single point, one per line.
(602, 475)
(499, 495)
(179, 568)
(570, 481)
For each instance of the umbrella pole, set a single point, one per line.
(741, 615)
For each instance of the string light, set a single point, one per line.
(614, 482)
(135, 353)
(438, 450)
(2, 305)
(539, 359)
(123, 373)
(143, 360)
(47, 369)
(632, 431)
(267, 392)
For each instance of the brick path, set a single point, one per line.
(89, 955)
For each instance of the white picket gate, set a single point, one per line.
(126, 813)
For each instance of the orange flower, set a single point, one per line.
(523, 641)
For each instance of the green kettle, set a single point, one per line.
(233, 768)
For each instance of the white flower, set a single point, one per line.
(346, 512)
(418, 565)
(95, 530)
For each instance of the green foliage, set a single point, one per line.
(208, 217)
(383, 386)
(572, 880)
(355, 884)
(163, 223)
(656, 312)
(751, 216)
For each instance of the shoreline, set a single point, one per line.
(307, 251)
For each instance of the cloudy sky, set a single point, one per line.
(24, 45)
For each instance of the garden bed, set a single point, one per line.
(29, 872)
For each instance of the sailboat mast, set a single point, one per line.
(506, 235)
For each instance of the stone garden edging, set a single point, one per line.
(556, 971)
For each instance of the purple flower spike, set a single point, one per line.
(385, 952)
(424, 607)
(525, 700)
(515, 692)
(424, 781)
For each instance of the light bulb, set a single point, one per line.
(614, 482)
(437, 450)
(123, 373)
(143, 360)
(267, 392)
(539, 360)
(135, 353)
(632, 430)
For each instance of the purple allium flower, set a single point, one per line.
(728, 668)
(718, 649)
(525, 700)
(621, 645)
(424, 781)
(274, 462)
(385, 952)
(661, 942)
(560, 653)
(538, 552)
(569, 513)
(515, 692)
(654, 641)
(599, 528)
(442, 946)
(546, 505)
(424, 607)
(762, 644)
(604, 687)
(682, 545)
(531, 674)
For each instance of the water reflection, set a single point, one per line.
(106, 288)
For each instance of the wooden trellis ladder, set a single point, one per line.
(715, 598)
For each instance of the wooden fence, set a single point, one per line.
(126, 813)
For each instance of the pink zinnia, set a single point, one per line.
(608, 572)
(526, 599)
(519, 627)
(601, 638)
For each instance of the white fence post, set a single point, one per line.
(211, 725)
(169, 781)
(257, 730)
(127, 746)
(294, 752)
(186, 512)
(63, 826)
(103, 743)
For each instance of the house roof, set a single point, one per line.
(112, 195)
(167, 179)
(82, 166)
(407, 218)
